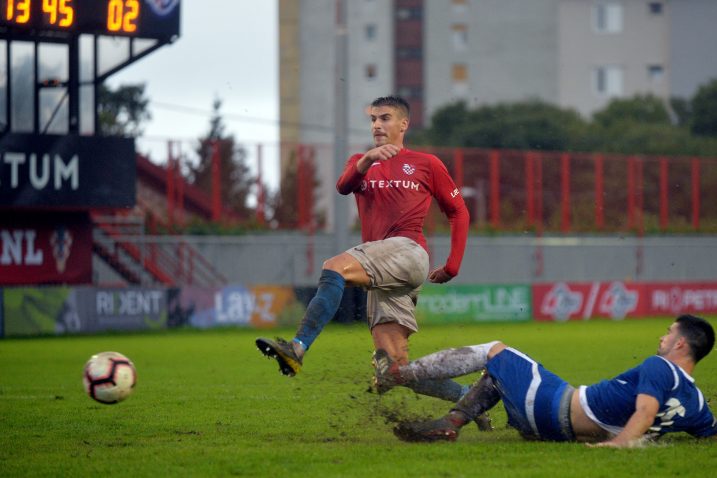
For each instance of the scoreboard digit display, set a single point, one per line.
(158, 19)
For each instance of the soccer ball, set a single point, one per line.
(109, 377)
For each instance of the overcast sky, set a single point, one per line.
(228, 49)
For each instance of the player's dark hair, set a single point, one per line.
(395, 102)
(699, 335)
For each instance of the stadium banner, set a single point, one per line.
(617, 300)
(443, 304)
(42, 248)
(32, 311)
(680, 298)
(261, 306)
(129, 308)
(50, 171)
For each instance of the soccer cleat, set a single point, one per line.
(484, 422)
(386, 374)
(427, 431)
(283, 352)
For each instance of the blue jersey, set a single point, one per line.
(611, 403)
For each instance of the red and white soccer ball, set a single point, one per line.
(109, 377)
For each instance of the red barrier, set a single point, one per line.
(216, 183)
(631, 192)
(663, 193)
(695, 170)
(529, 191)
(599, 192)
(640, 200)
(260, 217)
(170, 185)
(494, 188)
(538, 192)
(565, 192)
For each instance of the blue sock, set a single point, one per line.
(322, 307)
(445, 389)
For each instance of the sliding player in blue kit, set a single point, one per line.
(656, 397)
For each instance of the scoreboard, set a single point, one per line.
(153, 19)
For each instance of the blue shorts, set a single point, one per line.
(537, 401)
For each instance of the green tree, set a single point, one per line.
(704, 110)
(643, 109)
(525, 125)
(122, 111)
(682, 109)
(284, 203)
(235, 180)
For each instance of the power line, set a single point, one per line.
(247, 119)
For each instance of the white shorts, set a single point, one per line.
(397, 268)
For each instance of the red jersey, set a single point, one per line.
(394, 195)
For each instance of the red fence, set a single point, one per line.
(505, 190)
(573, 192)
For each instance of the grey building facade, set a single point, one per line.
(573, 53)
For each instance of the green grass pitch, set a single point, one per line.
(208, 404)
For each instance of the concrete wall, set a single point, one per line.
(284, 259)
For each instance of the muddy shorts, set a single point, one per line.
(536, 400)
(397, 267)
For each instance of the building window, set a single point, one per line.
(655, 73)
(460, 36)
(655, 8)
(459, 75)
(371, 71)
(608, 81)
(459, 6)
(409, 13)
(607, 17)
(409, 92)
(370, 31)
(409, 53)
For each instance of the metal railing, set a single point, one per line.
(148, 260)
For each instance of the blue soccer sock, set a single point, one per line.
(445, 389)
(321, 308)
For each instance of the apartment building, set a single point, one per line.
(574, 53)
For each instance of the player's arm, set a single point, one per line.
(646, 408)
(357, 167)
(451, 203)
(379, 153)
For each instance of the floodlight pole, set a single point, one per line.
(73, 84)
(341, 82)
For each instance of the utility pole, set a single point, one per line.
(341, 130)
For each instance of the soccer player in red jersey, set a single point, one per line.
(393, 187)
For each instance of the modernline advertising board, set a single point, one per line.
(442, 304)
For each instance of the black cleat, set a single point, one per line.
(283, 352)
(427, 431)
(484, 422)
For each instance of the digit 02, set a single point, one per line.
(122, 15)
